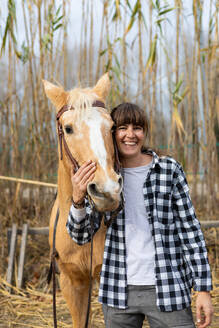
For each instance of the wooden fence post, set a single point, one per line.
(22, 255)
(11, 255)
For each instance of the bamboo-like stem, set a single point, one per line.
(150, 78)
(91, 39)
(52, 61)
(64, 46)
(85, 60)
(188, 117)
(178, 6)
(196, 155)
(175, 136)
(10, 92)
(39, 3)
(81, 54)
(100, 43)
(125, 61)
(31, 67)
(140, 54)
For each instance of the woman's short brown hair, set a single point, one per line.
(128, 113)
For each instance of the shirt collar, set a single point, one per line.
(156, 158)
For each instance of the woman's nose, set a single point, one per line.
(130, 132)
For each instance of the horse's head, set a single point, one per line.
(86, 126)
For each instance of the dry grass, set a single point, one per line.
(33, 308)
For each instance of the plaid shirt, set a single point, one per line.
(180, 253)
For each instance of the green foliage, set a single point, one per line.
(117, 13)
(177, 97)
(10, 25)
(161, 12)
(152, 55)
(54, 22)
(112, 65)
(23, 55)
(135, 12)
(9, 33)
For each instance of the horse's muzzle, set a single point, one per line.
(105, 200)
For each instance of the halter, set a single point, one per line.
(61, 136)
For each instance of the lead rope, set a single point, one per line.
(52, 270)
(107, 223)
(92, 216)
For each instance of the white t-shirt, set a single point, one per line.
(140, 251)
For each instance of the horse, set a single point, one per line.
(86, 126)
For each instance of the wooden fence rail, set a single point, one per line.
(38, 183)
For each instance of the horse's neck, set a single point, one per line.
(64, 186)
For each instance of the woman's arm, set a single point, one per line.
(194, 248)
(189, 230)
(79, 223)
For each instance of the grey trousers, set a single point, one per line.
(141, 304)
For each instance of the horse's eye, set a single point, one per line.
(68, 129)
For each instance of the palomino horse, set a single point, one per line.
(87, 133)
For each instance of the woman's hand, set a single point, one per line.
(81, 179)
(204, 309)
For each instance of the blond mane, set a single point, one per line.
(81, 98)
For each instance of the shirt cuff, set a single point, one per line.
(78, 213)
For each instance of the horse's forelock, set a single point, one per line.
(81, 98)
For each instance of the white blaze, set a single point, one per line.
(95, 121)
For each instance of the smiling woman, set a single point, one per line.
(130, 132)
(154, 248)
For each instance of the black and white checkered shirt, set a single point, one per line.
(180, 252)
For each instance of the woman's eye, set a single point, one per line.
(68, 129)
(138, 127)
(121, 127)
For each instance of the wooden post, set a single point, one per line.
(12, 234)
(11, 255)
(22, 255)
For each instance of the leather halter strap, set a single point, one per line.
(61, 135)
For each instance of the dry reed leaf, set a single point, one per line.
(177, 120)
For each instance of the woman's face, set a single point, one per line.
(130, 139)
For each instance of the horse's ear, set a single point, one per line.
(57, 95)
(102, 87)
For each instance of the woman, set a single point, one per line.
(155, 250)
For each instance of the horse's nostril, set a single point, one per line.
(93, 190)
